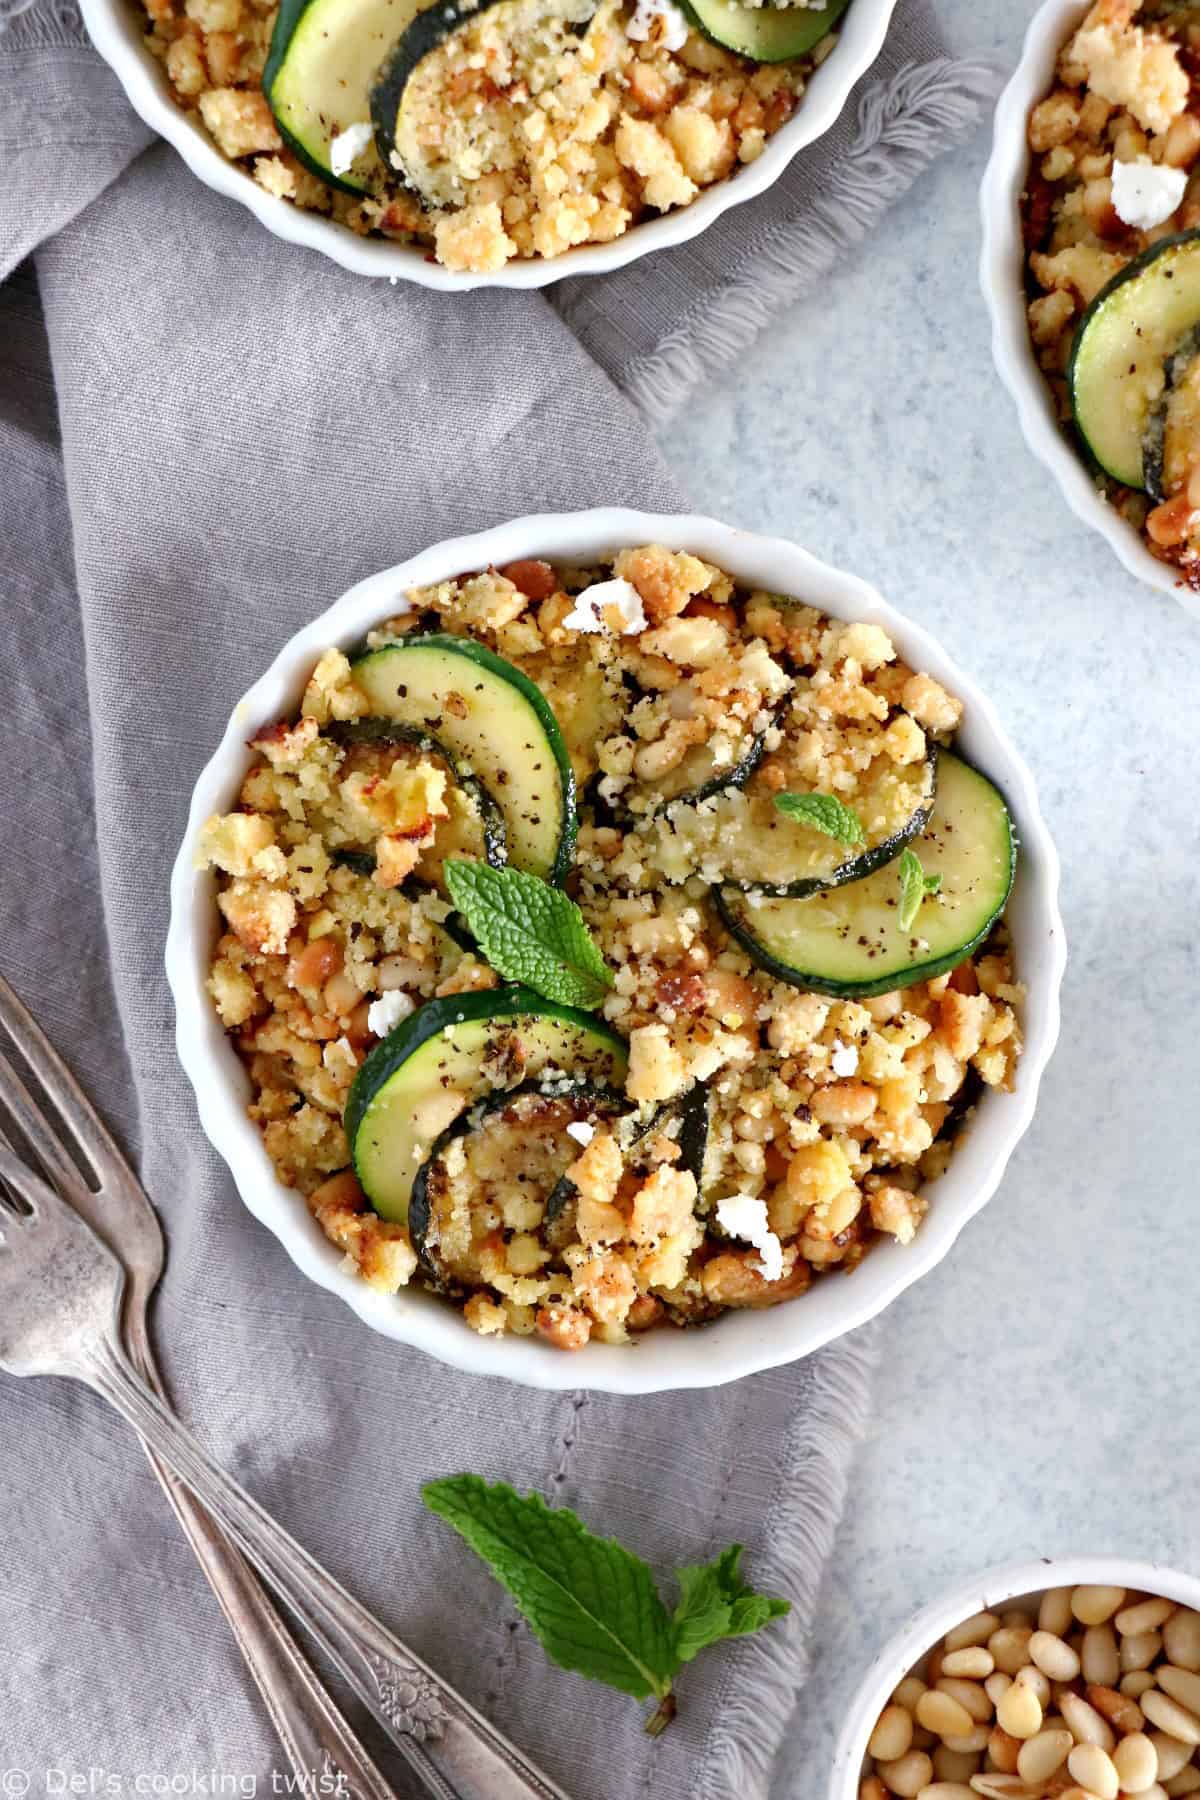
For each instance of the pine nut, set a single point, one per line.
(1139, 1650)
(1171, 1754)
(1054, 1612)
(970, 1696)
(1177, 1721)
(1010, 1648)
(946, 1790)
(995, 1685)
(1093, 1769)
(1120, 1711)
(1136, 1682)
(1186, 1782)
(975, 1630)
(1147, 1615)
(907, 1775)
(1093, 1605)
(1181, 1636)
(1085, 1724)
(1135, 1763)
(941, 1713)
(975, 1662)
(953, 1765)
(1032, 1678)
(892, 1736)
(1181, 1684)
(909, 1692)
(1042, 1755)
(972, 1744)
(1099, 1657)
(1003, 1750)
(1053, 1657)
(1020, 1711)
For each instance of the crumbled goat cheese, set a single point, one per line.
(384, 1014)
(1146, 193)
(581, 1131)
(346, 148)
(844, 1060)
(744, 1216)
(674, 31)
(619, 598)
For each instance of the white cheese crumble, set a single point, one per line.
(581, 1131)
(675, 28)
(346, 148)
(744, 1216)
(1146, 193)
(384, 1014)
(844, 1060)
(596, 607)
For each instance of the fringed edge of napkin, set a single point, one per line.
(763, 1681)
(903, 125)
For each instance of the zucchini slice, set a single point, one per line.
(707, 769)
(742, 840)
(324, 57)
(496, 724)
(432, 130)
(1117, 371)
(475, 827)
(766, 34)
(449, 1054)
(501, 1160)
(689, 1117)
(1172, 441)
(848, 942)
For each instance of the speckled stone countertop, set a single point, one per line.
(1037, 1391)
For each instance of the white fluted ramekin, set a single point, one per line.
(115, 30)
(737, 1343)
(991, 1591)
(1002, 274)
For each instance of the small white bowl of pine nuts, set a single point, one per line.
(1068, 1679)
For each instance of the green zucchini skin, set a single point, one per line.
(1154, 442)
(598, 1099)
(377, 1112)
(391, 731)
(900, 973)
(286, 20)
(765, 34)
(427, 31)
(1080, 382)
(555, 865)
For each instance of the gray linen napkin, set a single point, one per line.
(205, 436)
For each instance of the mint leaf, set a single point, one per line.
(592, 1604)
(915, 884)
(530, 932)
(715, 1603)
(824, 813)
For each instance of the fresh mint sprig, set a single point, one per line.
(915, 885)
(593, 1604)
(824, 813)
(530, 932)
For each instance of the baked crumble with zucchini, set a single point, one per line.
(609, 947)
(1112, 234)
(487, 130)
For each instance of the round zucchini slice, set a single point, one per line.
(740, 839)
(766, 34)
(1117, 370)
(452, 1053)
(503, 1159)
(848, 942)
(496, 724)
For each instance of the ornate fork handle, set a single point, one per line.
(453, 1748)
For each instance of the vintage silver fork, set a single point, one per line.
(314, 1735)
(62, 1293)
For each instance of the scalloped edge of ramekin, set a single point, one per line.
(1002, 277)
(736, 1344)
(112, 26)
